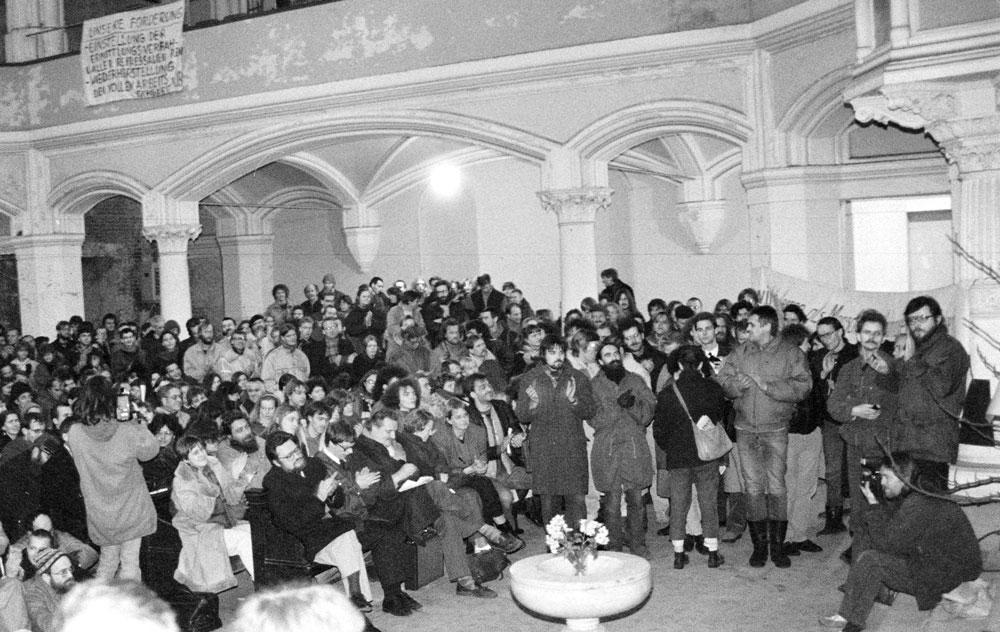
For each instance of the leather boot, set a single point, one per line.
(533, 510)
(776, 531)
(834, 521)
(758, 534)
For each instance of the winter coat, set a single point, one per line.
(931, 397)
(107, 455)
(203, 565)
(620, 455)
(292, 500)
(459, 453)
(672, 427)
(558, 457)
(935, 538)
(783, 369)
(858, 383)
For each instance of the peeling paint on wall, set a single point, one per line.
(358, 37)
(276, 61)
(190, 92)
(582, 12)
(37, 93)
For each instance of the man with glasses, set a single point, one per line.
(932, 376)
(825, 365)
(43, 593)
(298, 490)
(384, 538)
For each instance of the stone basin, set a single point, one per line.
(614, 583)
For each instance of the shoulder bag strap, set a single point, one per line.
(680, 398)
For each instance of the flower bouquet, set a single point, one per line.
(575, 544)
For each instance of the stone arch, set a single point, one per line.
(73, 197)
(328, 175)
(294, 195)
(241, 155)
(615, 133)
(815, 108)
(10, 209)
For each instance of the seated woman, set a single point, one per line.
(203, 492)
(463, 447)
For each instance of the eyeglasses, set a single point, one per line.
(914, 319)
(827, 335)
(296, 452)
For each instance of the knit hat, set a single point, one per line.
(46, 558)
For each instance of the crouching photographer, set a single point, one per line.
(914, 542)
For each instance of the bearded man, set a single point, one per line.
(556, 399)
(243, 453)
(620, 459)
(54, 578)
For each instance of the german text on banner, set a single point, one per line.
(133, 55)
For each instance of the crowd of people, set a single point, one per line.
(377, 421)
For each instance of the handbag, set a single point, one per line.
(488, 565)
(712, 442)
(419, 515)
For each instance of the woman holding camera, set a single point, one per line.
(107, 454)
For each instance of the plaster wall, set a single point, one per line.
(795, 70)
(308, 244)
(810, 232)
(557, 110)
(448, 237)
(517, 239)
(666, 261)
(147, 159)
(613, 231)
(348, 40)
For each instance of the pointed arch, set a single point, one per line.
(816, 106)
(239, 156)
(615, 133)
(73, 197)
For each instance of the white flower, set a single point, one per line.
(556, 526)
(588, 527)
(601, 538)
(552, 543)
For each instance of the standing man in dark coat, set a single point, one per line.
(919, 544)
(555, 399)
(931, 391)
(825, 366)
(620, 459)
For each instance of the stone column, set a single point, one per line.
(25, 17)
(575, 211)
(50, 279)
(247, 273)
(175, 284)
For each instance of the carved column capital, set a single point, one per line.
(910, 108)
(172, 238)
(972, 145)
(576, 206)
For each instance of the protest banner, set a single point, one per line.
(133, 55)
